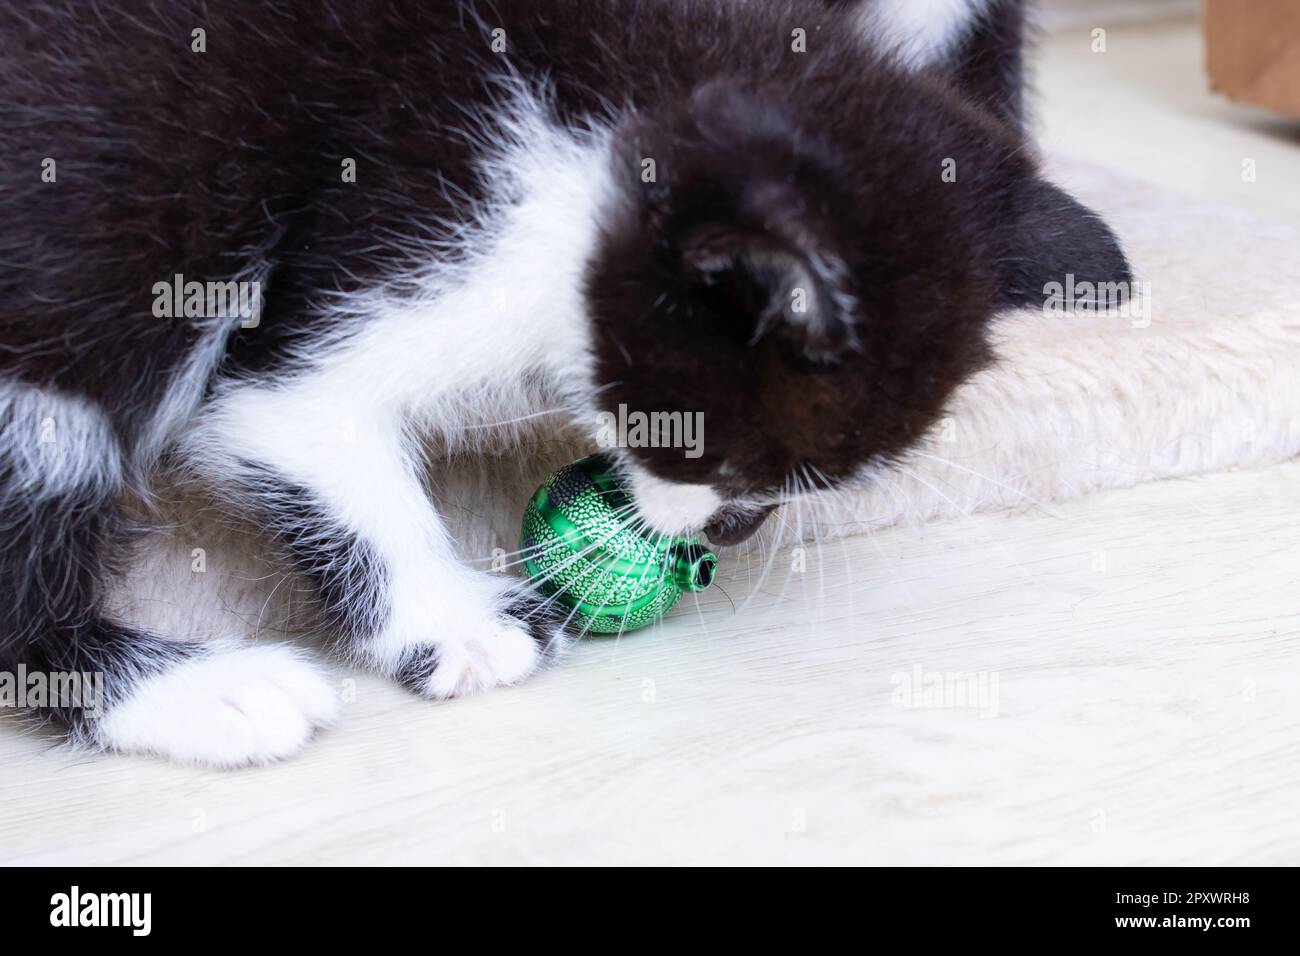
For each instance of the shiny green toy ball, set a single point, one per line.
(581, 551)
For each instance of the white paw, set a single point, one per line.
(234, 706)
(502, 652)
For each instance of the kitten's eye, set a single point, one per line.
(777, 285)
(707, 267)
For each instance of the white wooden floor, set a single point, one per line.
(1134, 663)
(1139, 703)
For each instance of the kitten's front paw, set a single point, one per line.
(499, 653)
(231, 706)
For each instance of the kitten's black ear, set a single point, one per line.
(781, 286)
(1059, 243)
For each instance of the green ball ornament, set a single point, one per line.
(581, 551)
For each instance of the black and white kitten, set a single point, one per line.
(453, 214)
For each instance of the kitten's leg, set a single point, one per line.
(107, 684)
(222, 704)
(338, 485)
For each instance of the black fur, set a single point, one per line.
(57, 551)
(350, 578)
(772, 164)
(784, 162)
(989, 62)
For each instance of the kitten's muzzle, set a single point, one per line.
(736, 525)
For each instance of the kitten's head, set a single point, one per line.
(808, 273)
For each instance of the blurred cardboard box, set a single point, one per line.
(1253, 51)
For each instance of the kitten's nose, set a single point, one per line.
(736, 525)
